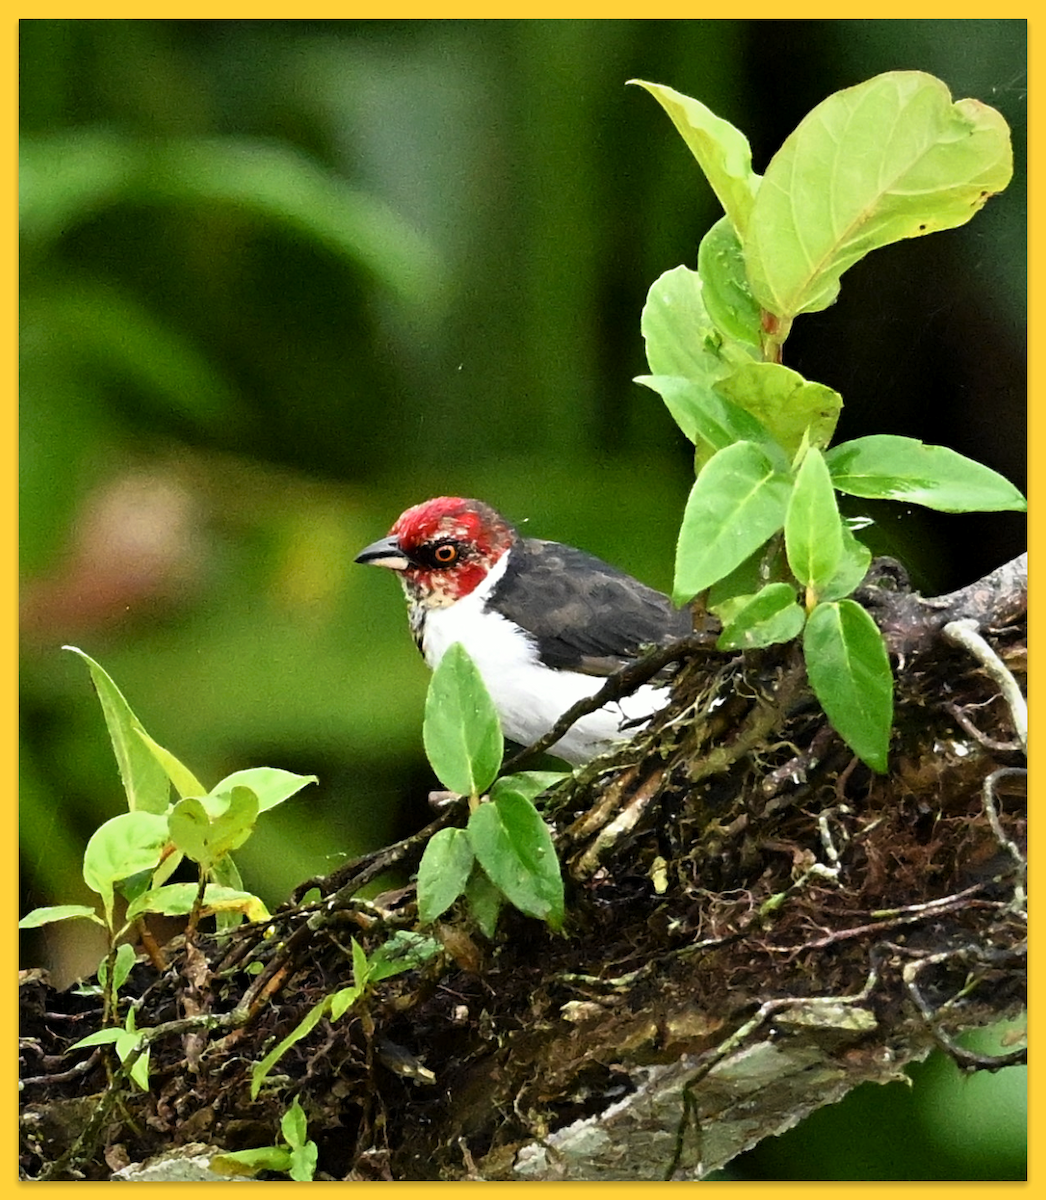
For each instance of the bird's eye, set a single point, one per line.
(445, 554)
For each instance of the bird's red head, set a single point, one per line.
(443, 548)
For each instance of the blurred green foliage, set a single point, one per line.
(280, 279)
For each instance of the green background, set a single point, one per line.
(281, 279)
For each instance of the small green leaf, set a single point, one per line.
(102, 1037)
(722, 152)
(849, 671)
(303, 1161)
(58, 912)
(736, 504)
(514, 847)
(789, 407)
(121, 847)
(250, 1162)
(294, 1125)
(527, 783)
(813, 527)
(853, 567)
(887, 467)
(342, 1000)
(406, 950)
(443, 872)
(144, 780)
(462, 734)
(271, 785)
(484, 901)
(360, 965)
(185, 782)
(304, 1027)
(727, 296)
(206, 838)
(125, 1047)
(177, 899)
(891, 158)
(770, 616)
(125, 960)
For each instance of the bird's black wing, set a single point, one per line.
(583, 614)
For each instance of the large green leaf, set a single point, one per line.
(891, 158)
(144, 779)
(462, 734)
(514, 847)
(887, 467)
(722, 151)
(849, 671)
(737, 502)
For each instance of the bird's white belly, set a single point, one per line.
(529, 696)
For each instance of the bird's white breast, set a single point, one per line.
(529, 696)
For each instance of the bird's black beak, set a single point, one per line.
(384, 553)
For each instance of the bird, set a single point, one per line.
(544, 623)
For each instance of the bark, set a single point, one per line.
(756, 925)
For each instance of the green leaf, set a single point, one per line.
(303, 1161)
(205, 838)
(462, 734)
(770, 616)
(271, 785)
(527, 783)
(177, 899)
(443, 872)
(813, 527)
(185, 782)
(711, 421)
(514, 847)
(788, 406)
(58, 912)
(125, 1047)
(886, 467)
(722, 152)
(360, 965)
(853, 566)
(102, 1037)
(484, 901)
(342, 1000)
(680, 337)
(121, 847)
(294, 1125)
(737, 503)
(891, 158)
(727, 296)
(125, 960)
(849, 671)
(144, 779)
(250, 1162)
(406, 950)
(304, 1027)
